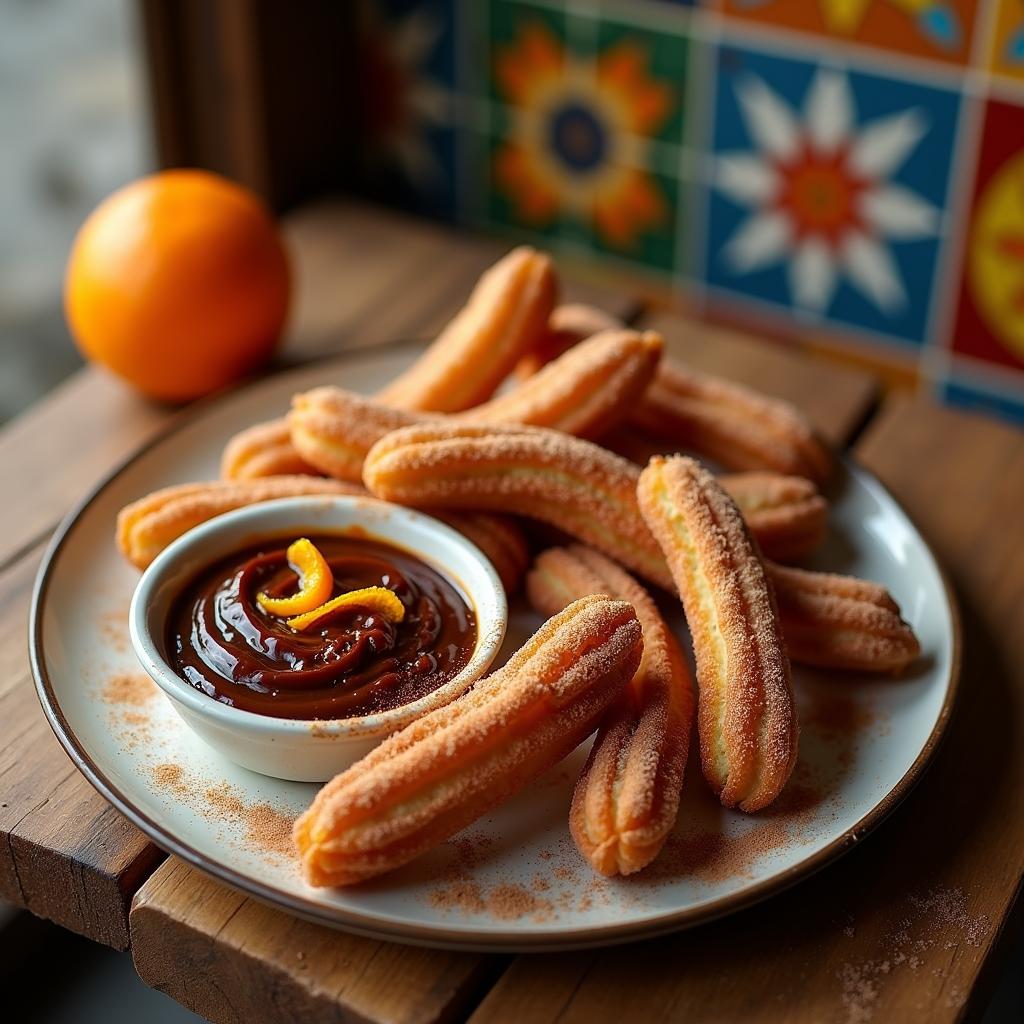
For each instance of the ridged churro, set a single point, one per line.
(148, 525)
(732, 424)
(572, 484)
(627, 797)
(746, 716)
(448, 768)
(262, 450)
(738, 427)
(506, 316)
(587, 391)
(840, 622)
(786, 514)
(594, 386)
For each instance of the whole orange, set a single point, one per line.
(178, 283)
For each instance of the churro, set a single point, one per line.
(746, 718)
(737, 426)
(505, 317)
(627, 797)
(734, 425)
(840, 622)
(446, 769)
(585, 392)
(572, 484)
(150, 524)
(786, 514)
(265, 449)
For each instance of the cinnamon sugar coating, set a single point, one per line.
(150, 524)
(590, 493)
(732, 424)
(333, 429)
(735, 425)
(585, 392)
(786, 514)
(627, 797)
(840, 622)
(265, 449)
(505, 317)
(746, 718)
(431, 779)
(572, 484)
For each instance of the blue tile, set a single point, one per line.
(827, 190)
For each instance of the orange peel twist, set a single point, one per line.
(316, 581)
(376, 599)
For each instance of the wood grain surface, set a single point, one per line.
(231, 958)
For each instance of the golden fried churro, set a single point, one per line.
(585, 392)
(265, 449)
(148, 525)
(746, 716)
(333, 429)
(499, 538)
(732, 424)
(738, 427)
(786, 514)
(505, 317)
(572, 484)
(627, 797)
(840, 622)
(568, 325)
(594, 386)
(448, 768)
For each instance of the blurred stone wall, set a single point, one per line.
(72, 128)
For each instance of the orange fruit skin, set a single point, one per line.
(179, 283)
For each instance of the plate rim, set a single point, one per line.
(506, 940)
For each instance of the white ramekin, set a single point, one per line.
(282, 747)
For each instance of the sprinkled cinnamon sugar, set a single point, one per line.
(113, 629)
(509, 902)
(268, 829)
(131, 688)
(935, 920)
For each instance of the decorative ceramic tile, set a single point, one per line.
(967, 395)
(827, 191)
(940, 29)
(410, 137)
(990, 319)
(586, 129)
(1006, 47)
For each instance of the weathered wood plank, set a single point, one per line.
(901, 928)
(65, 853)
(231, 958)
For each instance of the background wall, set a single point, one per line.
(73, 128)
(845, 173)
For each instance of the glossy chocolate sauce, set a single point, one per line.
(353, 662)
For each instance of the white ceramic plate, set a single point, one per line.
(513, 881)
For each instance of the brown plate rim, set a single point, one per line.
(369, 925)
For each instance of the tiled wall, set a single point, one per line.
(849, 173)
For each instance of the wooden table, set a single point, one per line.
(906, 927)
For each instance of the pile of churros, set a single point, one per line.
(440, 437)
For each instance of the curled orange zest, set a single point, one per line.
(377, 599)
(316, 581)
